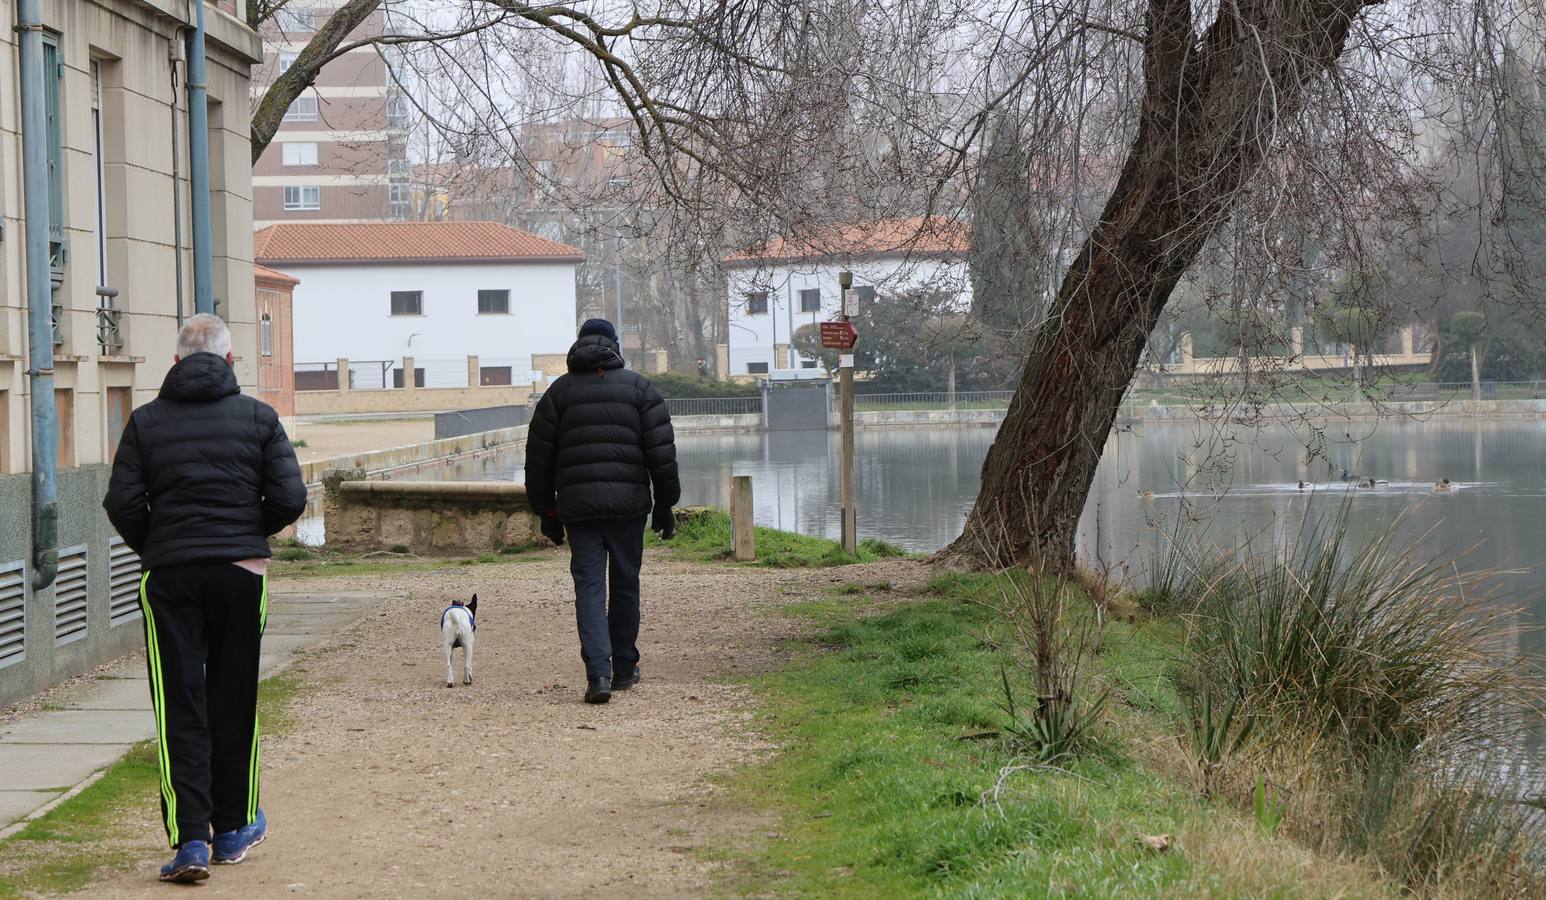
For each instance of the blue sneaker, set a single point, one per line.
(231, 847)
(189, 865)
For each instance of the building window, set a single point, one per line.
(807, 363)
(400, 195)
(101, 170)
(397, 108)
(494, 376)
(266, 335)
(757, 303)
(296, 21)
(810, 300)
(285, 61)
(756, 368)
(300, 153)
(493, 303)
(53, 84)
(302, 109)
(407, 303)
(303, 197)
(866, 294)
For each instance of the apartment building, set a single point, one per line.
(116, 190)
(340, 154)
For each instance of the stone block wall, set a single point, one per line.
(429, 518)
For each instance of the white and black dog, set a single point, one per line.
(458, 624)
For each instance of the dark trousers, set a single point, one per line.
(203, 628)
(601, 552)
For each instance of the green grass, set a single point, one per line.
(75, 843)
(707, 537)
(890, 726)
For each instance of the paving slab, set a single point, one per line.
(81, 726)
(35, 767)
(114, 693)
(17, 804)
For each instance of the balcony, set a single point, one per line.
(109, 322)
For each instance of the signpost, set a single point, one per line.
(843, 336)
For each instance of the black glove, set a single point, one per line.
(553, 530)
(664, 523)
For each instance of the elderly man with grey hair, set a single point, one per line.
(202, 478)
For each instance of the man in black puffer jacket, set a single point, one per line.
(598, 440)
(202, 477)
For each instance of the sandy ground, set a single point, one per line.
(325, 440)
(388, 784)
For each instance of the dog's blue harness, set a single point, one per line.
(470, 617)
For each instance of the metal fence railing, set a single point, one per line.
(715, 406)
(316, 376)
(931, 400)
(371, 374)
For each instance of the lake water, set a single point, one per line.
(915, 487)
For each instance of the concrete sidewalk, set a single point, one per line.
(58, 752)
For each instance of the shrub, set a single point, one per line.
(293, 554)
(682, 387)
(1360, 666)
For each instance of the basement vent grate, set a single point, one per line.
(70, 596)
(123, 583)
(13, 613)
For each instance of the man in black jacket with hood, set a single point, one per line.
(599, 438)
(202, 477)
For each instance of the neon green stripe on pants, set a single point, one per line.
(158, 704)
(252, 772)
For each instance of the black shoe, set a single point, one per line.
(627, 681)
(600, 690)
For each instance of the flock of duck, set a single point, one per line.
(1442, 486)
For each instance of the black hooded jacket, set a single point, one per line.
(598, 439)
(203, 474)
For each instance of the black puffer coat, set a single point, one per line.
(203, 474)
(598, 439)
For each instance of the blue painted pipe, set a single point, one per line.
(40, 297)
(198, 166)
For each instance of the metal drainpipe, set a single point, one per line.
(40, 298)
(175, 54)
(198, 165)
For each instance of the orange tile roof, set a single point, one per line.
(401, 242)
(913, 236)
(264, 274)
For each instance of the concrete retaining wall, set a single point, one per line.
(429, 518)
(429, 451)
(81, 522)
(406, 400)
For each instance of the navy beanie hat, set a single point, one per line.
(601, 327)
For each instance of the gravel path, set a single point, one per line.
(388, 784)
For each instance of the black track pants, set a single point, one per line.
(605, 557)
(203, 629)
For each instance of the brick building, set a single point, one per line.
(340, 154)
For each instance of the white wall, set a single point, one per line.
(752, 338)
(345, 311)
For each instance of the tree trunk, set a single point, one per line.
(1203, 133)
(1476, 376)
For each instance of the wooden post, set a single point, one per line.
(743, 534)
(850, 522)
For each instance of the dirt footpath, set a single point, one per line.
(388, 784)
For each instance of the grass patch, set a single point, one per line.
(101, 829)
(707, 536)
(893, 738)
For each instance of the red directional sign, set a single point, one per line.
(839, 335)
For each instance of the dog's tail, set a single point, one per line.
(473, 605)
